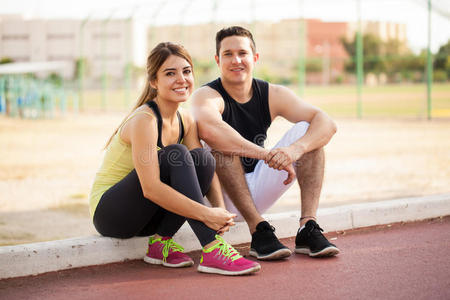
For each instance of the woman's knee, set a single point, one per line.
(174, 155)
(205, 165)
(203, 159)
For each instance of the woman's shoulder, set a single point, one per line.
(141, 119)
(142, 114)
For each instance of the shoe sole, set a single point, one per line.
(327, 252)
(155, 261)
(211, 270)
(279, 254)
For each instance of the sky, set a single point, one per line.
(413, 13)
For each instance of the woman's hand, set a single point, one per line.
(219, 219)
(224, 229)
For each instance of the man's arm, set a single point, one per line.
(283, 102)
(208, 106)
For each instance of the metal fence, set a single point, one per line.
(370, 66)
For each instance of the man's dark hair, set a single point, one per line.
(231, 31)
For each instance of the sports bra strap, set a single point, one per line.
(180, 121)
(153, 106)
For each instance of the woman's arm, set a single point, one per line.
(142, 133)
(191, 140)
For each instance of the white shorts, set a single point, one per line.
(266, 184)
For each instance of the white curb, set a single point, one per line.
(33, 259)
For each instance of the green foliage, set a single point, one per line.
(447, 66)
(372, 48)
(387, 57)
(134, 71)
(442, 61)
(55, 79)
(410, 67)
(266, 74)
(203, 65)
(440, 76)
(339, 79)
(313, 65)
(81, 67)
(204, 70)
(6, 60)
(137, 71)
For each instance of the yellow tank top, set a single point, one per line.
(117, 163)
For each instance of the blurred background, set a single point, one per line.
(69, 71)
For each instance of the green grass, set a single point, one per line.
(396, 100)
(393, 100)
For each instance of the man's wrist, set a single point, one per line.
(262, 153)
(298, 149)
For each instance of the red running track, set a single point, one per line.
(402, 261)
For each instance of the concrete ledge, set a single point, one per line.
(37, 258)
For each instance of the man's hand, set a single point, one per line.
(282, 159)
(291, 174)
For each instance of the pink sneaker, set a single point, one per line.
(164, 251)
(223, 259)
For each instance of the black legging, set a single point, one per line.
(124, 212)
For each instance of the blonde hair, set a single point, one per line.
(155, 60)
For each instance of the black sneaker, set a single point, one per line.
(265, 245)
(311, 241)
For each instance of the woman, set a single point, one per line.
(155, 173)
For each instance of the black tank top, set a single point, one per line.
(251, 119)
(154, 107)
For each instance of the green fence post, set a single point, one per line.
(359, 62)
(429, 65)
(2, 96)
(128, 62)
(103, 103)
(252, 16)
(301, 52)
(81, 66)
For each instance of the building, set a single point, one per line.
(279, 44)
(107, 46)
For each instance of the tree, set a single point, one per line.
(372, 48)
(56, 79)
(6, 60)
(81, 65)
(442, 60)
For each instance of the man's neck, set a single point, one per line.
(241, 92)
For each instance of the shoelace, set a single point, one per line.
(225, 249)
(271, 228)
(314, 226)
(169, 244)
(267, 227)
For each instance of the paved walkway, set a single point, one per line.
(402, 261)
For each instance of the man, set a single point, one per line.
(233, 114)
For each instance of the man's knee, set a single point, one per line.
(299, 129)
(314, 157)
